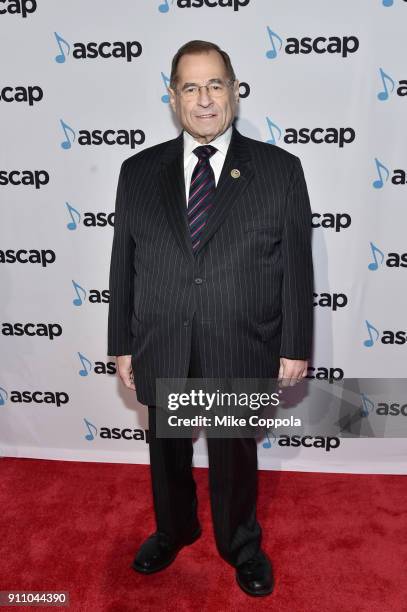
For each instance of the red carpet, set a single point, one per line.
(337, 542)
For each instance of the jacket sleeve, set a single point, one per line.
(297, 285)
(121, 276)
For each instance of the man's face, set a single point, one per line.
(204, 117)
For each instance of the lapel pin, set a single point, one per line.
(235, 173)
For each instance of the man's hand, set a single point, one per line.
(291, 371)
(125, 371)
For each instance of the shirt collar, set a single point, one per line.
(221, 142)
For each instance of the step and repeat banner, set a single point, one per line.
(83, 87)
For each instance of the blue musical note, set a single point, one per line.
(378, 183)
(66, 144)
(90, 426)
(383, 95)
(368, 405)
(387, 2)
(164, 7)
(267, 444)
(60, 59)
(85, 370)
(72, 225)
(374, 264)
(78, 301)
(272, 53)
(272, 125)
(165, 98)
(369, 342)
(3, 396)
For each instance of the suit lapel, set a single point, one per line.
(228, 189)
(172, 189)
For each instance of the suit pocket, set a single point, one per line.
(269, 329)
(136, 302)
(135, 323)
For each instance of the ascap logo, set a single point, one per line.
(114, 433)
(90, 219)
(3, 396)
(270, 440)
(46, 330)
(330, 300)
(336, 221)
(398, 175)
(38, 178)
(393, 409)
(91, 50)
(389, 87)
(382, 408)
(59, 398)
(97, 137)
(337, 45)
(94, 296)
(43, 257)
(99, 367)
(367, 405)
(327, 443)
(164, 5)
(331, 135)
(18, 7)
(388, 336)
(30, 94)
(325, 373)
(391, 260)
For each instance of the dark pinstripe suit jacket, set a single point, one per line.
(250, 284)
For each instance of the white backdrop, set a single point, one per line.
(349, 79)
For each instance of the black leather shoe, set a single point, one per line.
(156, 553)
(255, 577)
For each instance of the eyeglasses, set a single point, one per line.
(215, 89)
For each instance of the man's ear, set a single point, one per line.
(236, 91)
(172, 95)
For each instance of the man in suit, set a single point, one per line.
(211, 276)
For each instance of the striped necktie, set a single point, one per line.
(201, 193)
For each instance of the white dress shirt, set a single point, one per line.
(217, 160)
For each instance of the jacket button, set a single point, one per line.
(186, 322)
(198, 281)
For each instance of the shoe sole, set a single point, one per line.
(193, 539)
(254, 594)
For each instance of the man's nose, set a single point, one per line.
(204, 98)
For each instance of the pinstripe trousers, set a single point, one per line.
(232, 485)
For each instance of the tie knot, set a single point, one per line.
(204, 152)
